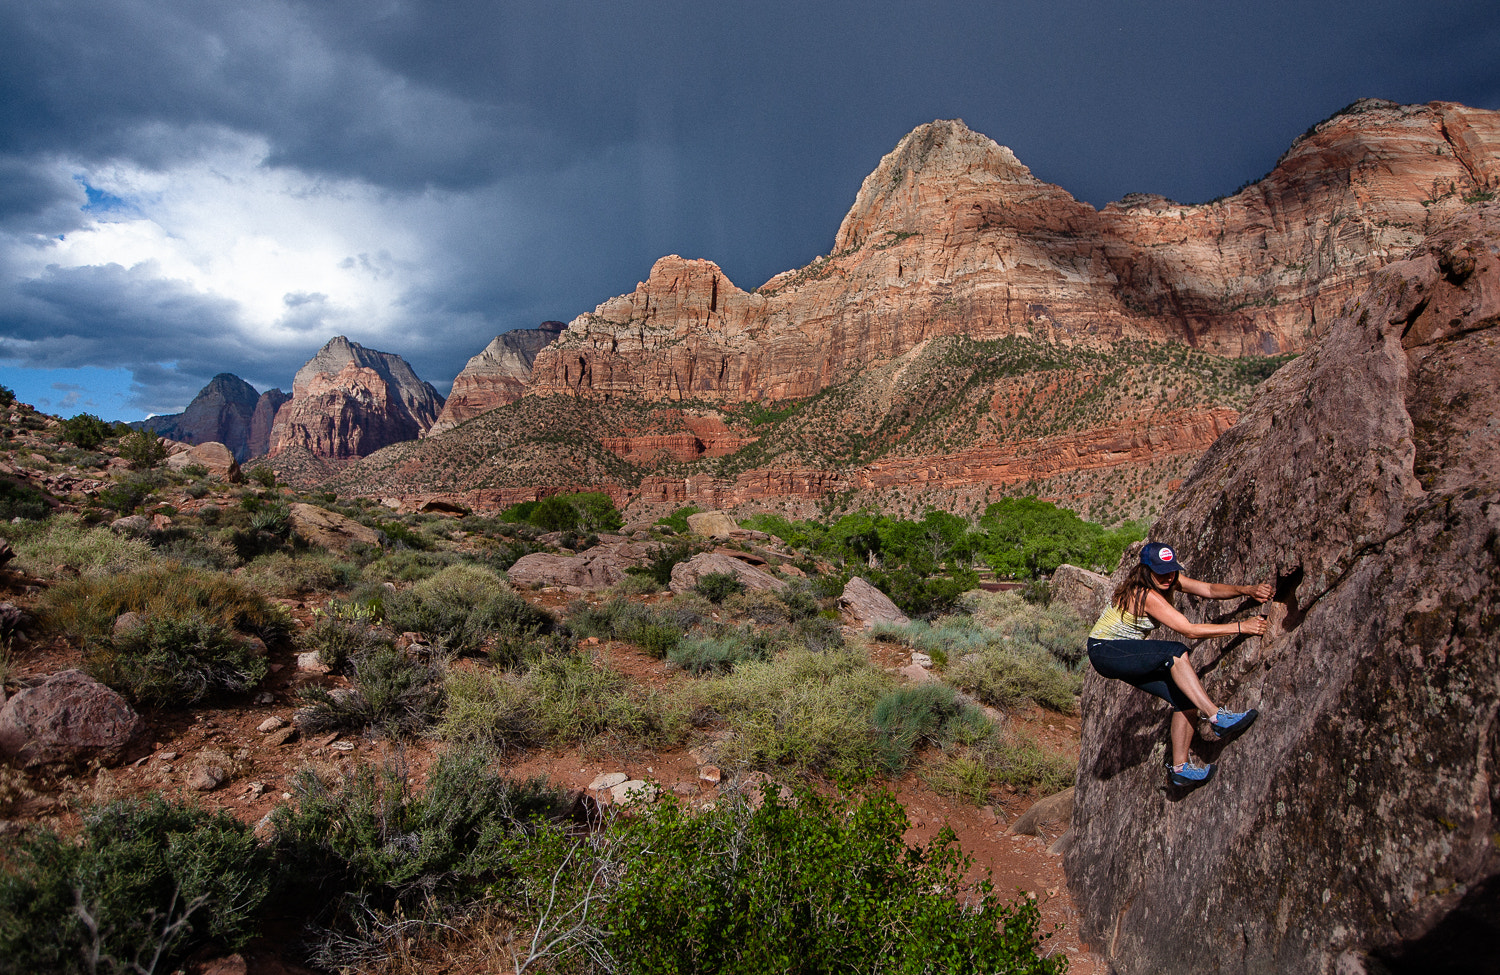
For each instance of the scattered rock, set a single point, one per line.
(863, 605)
(205, 778)
(917, 673)
(136, 525)
(635, 790)
(921, 659)
(271, 724)
(70, 717)
(710, 774)
(607, 780)
(126, 622)
(278, 738)
(311, 662)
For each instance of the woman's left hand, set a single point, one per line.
(1260, 593)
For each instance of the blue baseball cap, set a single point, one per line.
(1160, 558)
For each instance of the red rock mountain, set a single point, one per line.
(495, 376)
(228, 411)
(349, 401)
(952, 235)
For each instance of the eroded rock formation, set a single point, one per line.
(228, 411)
(952, 235)
(495, 376)
(1357, 819)
(349, 401)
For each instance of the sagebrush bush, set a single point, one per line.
(284, 573)
(43, 548)
(718, 586)
(338, 641)
(21, 501)
(1006, 678)
(929, 713)
(388, 691)
(972, 772)
(720, 653)
(462, 607)
(803, 710)
(149, 884)
(87, 607)
(655, 629)
(175, 661)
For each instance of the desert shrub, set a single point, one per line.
(175, 661)
(654, 629)
(663, 560)
(804, 884)
(297, 573)
(1007, 678)
(87, 607)
(143, 449)
(463, 606)
(262, 474)
(817, 633)
(563, 699)
(21, 501)
(678, 520)
(408, 565)
(123, 497)
(388, 691)
(150, 883)
(721, 653)
(196, 549)
(635, 585)
(401, 535)
(718, 586)
(371, 843)
(803, 710)
(195, 471)
(269, 529)
(972, 772)
(87, 430)
(926, 713)
(338, 641)
(1055, 629)
(43, 548)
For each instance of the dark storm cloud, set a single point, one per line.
(569, 144)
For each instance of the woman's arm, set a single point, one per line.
(1166, 614)
(1221, 590)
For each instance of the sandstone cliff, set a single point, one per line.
(225, 411)
(952, 235)
(349, 401)
(496, 376)
(1353, 828)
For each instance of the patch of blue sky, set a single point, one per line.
(69, 392)
(104, 203)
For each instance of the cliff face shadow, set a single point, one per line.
(1132, 742)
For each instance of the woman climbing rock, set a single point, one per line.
(1118, 649)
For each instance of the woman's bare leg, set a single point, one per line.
(1186, 679)
(1182, 735)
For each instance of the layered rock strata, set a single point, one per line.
(952, 235)
(349, 401)
(1352, 829)
(496, 376)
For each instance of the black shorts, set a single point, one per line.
(1146, 664)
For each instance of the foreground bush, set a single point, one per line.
(171, 661)
(43, 548)
(388, 691)
(88, 607)
(465, 606)
(806, 885)
(149, 884)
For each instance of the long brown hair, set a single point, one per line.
(1130, 594)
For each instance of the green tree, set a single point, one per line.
(143, 449)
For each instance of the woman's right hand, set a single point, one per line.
(1255, 625)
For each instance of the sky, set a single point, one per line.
(189, 187)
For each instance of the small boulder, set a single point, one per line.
(205, 778)
(1051, 815)
(70, 717)
(127, 622)
(863, 605)
(137, 525)
(685, 575)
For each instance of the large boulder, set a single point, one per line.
(331, 530)
(685, 575)
(1086, 592)
(712, 524)
(215, 457)
(70, 717)
(1353, 829)
(598, 568)
(863, 605)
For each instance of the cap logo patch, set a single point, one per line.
(1165, 554)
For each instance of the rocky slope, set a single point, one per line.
(952, 235)
(349, 401)
(496, 376)
(1353, 828)
(228, 411)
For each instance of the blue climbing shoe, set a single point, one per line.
(1189, 776)
(1229, 725)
